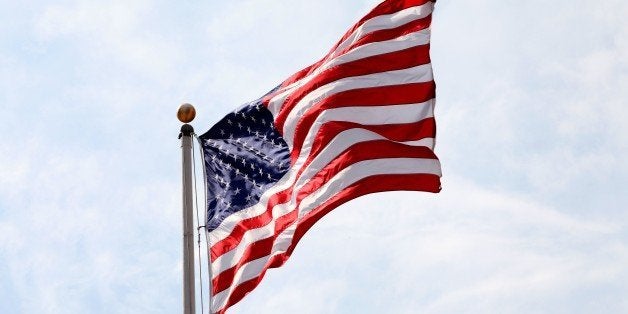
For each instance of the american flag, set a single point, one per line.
(358, 121)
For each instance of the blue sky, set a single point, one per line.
(531, 134)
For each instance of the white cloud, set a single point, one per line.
(537, 106)
(115, 31)
(309, 295)
(74, 234)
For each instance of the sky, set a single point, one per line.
(531, 111)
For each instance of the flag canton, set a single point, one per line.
(244, 156)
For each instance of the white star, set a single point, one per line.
(263, 122)
(222, 132)
(253, 119)
(237, 171)
(248, 129)
(260, 171)
(240, 126)
(229, 121)
(257, 133)
(269, 177)
(237, 191)
(249, 197)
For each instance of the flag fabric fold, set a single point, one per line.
(358, 121)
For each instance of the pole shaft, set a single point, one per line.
(189, 301)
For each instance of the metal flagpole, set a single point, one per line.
(186, 114)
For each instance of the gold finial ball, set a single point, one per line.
(186, 113)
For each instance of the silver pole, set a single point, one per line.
(186, 114)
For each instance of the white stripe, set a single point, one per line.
(378, 115)
(396, 114)
(414, 39)
(253, 268)
(383, 22)
(410, 40)
(219, 300)
(362, 170)
(418, 74)
(343, 179)
(427, 142)
(275, 103)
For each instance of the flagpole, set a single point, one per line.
(186, 114)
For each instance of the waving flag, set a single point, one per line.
(358, 121)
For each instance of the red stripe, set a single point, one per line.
(391, 61)
(241, 291)
(400, 132)
(389, 34)
(359, 152)
(231, 241)
(254, 251)
(384, 8)
(293, 78)
(394, 132)
(390, 7)
(372, 96)
(373, 184)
